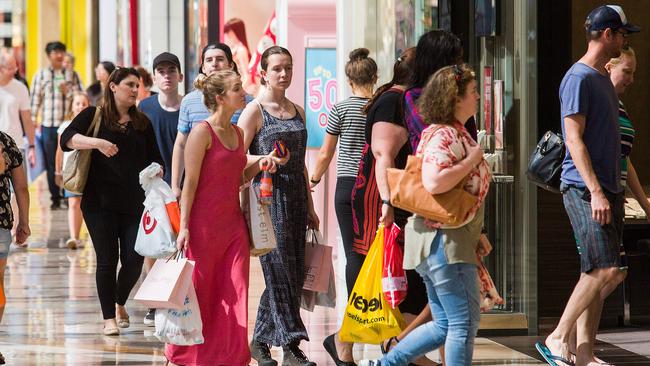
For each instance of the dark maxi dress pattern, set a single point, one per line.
(278, 317)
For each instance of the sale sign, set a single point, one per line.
(320, 91)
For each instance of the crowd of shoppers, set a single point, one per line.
(213, 141)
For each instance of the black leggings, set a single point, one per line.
(113, 235)
(343, 207)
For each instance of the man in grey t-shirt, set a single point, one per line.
(592, 194)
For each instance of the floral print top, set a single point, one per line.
(13, 157)
(444, 146)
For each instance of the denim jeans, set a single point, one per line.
(454, 300)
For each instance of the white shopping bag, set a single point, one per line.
(260, 226)
(181, 327)
(161, 217)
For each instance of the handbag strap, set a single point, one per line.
(94, 125)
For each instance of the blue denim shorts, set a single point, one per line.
(5, 243)
(599, 245)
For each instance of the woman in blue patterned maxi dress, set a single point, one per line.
(273, 117)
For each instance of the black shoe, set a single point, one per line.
(55, 206)
(150, 318)
(261, 353)
(294, 356)
(330, 346)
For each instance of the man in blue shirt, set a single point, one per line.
(163, 108)
(592, 193)
(214, 57)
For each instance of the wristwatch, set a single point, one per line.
(386, 202)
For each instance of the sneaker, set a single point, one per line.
(369, 363)
(72, 244)
(261, 353)
(294, 356)
(150, 318)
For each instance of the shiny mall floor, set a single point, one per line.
(52, 316)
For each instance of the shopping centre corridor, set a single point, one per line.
(53, 317)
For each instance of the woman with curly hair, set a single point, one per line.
(448, 263)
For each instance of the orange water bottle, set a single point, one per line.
(266, 187)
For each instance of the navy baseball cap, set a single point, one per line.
(609, 16)
(166, 57)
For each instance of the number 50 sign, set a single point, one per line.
(320, 91)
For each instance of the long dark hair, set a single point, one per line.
(110, 114)
(402, 74)
(435, 50)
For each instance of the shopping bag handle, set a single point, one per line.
(178, 254)
(314, 237)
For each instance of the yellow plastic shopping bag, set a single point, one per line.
(368, 316)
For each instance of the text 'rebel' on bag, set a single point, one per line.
(393, 283)
(545, 163)
(408, 193)
(166, 284)
(318, 263)
(258, 217)
(160, 220)
(368, 316)
(75, 171)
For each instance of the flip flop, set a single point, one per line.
(549, 357)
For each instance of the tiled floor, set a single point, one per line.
(53, 318)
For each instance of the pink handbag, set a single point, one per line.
(167, 284)
(318, 264)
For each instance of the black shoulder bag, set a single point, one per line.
(545, 164)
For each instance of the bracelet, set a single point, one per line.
(386, 202)
(32, 146)
(314, 181)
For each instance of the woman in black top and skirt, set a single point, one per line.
(113, 198)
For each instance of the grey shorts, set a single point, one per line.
(599, 244)
(5, 243)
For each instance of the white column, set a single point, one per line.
(108, 30)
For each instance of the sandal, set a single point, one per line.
(386, 349)
(123, 322)
(111, 331)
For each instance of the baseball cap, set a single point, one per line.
(609, 16)
(166, 57)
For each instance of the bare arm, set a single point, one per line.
(250, 122)
(19, 181)
(387, 139)
(635, 186)
(198, 142)
(437, 180)
(178, 162)
(574, 127)
(325, 156)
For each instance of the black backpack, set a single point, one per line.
(545, 164)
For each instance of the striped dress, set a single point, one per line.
(627, 140)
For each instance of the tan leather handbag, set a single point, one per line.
(75, 172)
(408, 193)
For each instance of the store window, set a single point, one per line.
(392, 26)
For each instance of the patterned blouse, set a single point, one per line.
(444, 146)
(13, 158)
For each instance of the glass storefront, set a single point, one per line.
(388, 27)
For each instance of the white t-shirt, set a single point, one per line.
(14, 97)
(59, 131)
